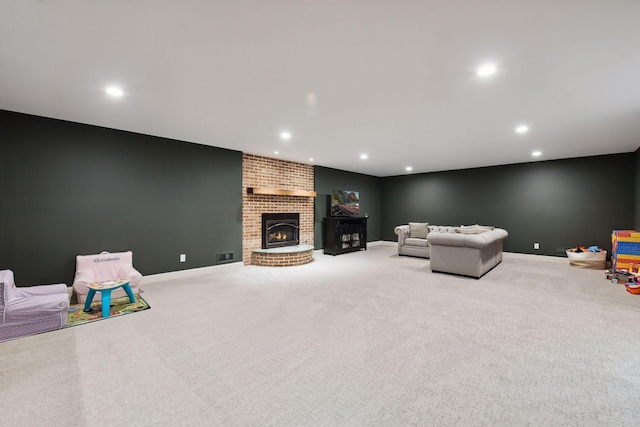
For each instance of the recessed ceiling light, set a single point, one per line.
(114, 91)
(522, 129)
(311, 160)
(276, 152)
(364, 156)
(408, 168)
(285, 135)
(536, 153)
(486, 70)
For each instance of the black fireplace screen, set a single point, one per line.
(280, 229)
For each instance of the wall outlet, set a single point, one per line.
(183, 257)
(536, 246)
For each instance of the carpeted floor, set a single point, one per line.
(366, 338)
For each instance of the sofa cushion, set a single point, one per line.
(412, 241)
(418, 230)
(469, 229)
(473, 229)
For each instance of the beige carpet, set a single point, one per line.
(366, 338)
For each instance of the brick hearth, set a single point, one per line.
(274, 259)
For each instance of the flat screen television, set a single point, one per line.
(345, 203)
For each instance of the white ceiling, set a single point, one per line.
(393, 79)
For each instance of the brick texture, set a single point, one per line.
(282, 260)
(266, 172)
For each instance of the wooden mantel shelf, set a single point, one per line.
(279, 192)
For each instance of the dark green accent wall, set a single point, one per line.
(69, 189)
(560, 203)
(369, 187)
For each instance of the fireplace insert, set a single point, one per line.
(280, 229)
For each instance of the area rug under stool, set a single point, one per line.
(119, 306)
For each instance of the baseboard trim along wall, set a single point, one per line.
(182, 274)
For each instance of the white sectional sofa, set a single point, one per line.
(465, 250)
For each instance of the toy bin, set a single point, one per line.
(587, 259)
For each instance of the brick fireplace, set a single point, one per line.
(266, 172)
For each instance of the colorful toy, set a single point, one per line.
(625, 245)
(630, 278)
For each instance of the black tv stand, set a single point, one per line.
(344, 234)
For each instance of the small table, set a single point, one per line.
(106, 287)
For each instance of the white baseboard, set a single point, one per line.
(180, 274)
